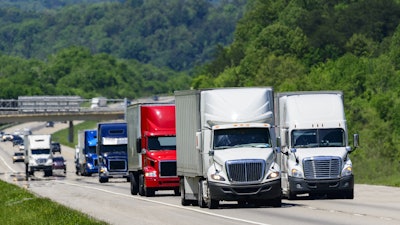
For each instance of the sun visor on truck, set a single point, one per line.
(114, 141)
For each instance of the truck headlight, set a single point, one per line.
(216, 176)
(347, 171)
(150, 174)
(273, 175)
(296, 173)
(103, 170)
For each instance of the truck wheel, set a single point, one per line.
(103, 179)
(211, 203)
(141, 185)
(184, 202)
(134, 185)
(200, 198)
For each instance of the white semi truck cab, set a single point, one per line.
(38, 155)
(314, 144)
(226, 147)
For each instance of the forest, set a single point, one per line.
(140, 48)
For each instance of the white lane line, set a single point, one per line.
(5, 163)
(167, 204)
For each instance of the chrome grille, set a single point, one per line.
(322, 167)
(245, 170)
(167, 168)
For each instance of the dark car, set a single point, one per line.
(49, 124)
(17, 140)
(59, 164)
(55, 147)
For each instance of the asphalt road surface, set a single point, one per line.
(113, 203)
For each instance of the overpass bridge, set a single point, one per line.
(66, 108)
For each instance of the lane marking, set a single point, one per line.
(5, 163)
(166, 204)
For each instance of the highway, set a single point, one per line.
(113, 203)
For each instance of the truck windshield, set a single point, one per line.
(313, 138)
(91, 149)
(40, 151)
(162, 143)
(241, 137)
(113, 148)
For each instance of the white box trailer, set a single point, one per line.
(226, 147)
(38, 153)
(314, 144)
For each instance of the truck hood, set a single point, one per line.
(243, 153)
(303, 153)
(162, 155)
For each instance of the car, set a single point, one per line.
(59, 163)
(8, 137)
(18, 157)
(49, 124)
(55, 147)
(17, 140)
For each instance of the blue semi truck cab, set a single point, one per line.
(86, 156)
(111, 149)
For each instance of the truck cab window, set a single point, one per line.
(243, 137)
(162, 143)
(312, 138)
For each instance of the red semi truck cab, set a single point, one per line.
(152, 148)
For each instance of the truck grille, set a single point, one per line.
(117, 165)
(168, 169)
(245, 170)
(322, 167)
(41, 161)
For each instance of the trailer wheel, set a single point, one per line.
(134, 184)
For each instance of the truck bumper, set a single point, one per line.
(40, 168)
(264, 191)
(114, 175)
(162, 183)
(302, 186)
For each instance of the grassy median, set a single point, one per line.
(19, 206)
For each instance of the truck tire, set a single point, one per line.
(211, 203)
(200, 198)
(103, 179)
(141, 185)
(134, 184)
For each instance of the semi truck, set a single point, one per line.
(111, 150)
(38, 155)
(152, 148)
(226, 147)
(86, 159)
(314, 146)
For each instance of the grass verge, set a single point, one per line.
(19, 206)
